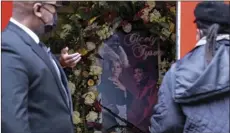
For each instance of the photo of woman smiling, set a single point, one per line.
(128, 83)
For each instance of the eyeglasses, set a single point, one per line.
(52, 10)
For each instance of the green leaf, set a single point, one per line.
(83, 14)
(164, 25)
(116, 22)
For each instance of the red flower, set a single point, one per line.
(145, 21)
(95, 125)
(140, 13)
(146, 5)
(110, 16)
(168, 5)
(97, 106)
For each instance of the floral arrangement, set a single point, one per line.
(86, 28)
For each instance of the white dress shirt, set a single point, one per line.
(27, 30)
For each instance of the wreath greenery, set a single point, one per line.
(84, 26)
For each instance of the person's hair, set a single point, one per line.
(111, 63)
(211, 31)
(141, 66)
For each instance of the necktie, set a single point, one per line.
(57, 70)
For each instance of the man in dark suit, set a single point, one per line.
(35, 96)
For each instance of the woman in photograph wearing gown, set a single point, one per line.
(113, 95)
(111, 89)
(141, 107)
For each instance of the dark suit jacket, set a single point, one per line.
(32, 98)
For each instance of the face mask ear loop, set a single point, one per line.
(55, 19)
(42, 6)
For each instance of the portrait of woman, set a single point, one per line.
(129, 92)
(112, 90)
(144, 98)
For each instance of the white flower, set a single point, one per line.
(99, 33)
(103, 3)
(90, 46)
(155, 16)
(104, 36)
(65, 30)
(106, 29)
(77, 72)
(79, 129)
(92, 57)
(93, 88)
(156, 13)
(151, 4)
(127, 28)
(71, 51)
(97, 132)
(107, 34)
(63, 35)
(92, 116)
(76, 117)
(145, 14)
(72, 87)
(67, 27)
(91, 27)
(166, 32)
(95, 70)
(111, 33)
(89, 98)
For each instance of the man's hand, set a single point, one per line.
(69, 60)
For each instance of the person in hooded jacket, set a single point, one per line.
(194, 96)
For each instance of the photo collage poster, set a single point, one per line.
(128, 83)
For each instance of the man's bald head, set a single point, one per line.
(36, 14)
(22, 9)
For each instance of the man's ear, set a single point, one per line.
(37, 9)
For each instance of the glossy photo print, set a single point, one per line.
(128, 84)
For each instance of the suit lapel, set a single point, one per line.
(64, 79)
(63, 76)
(40, 52)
